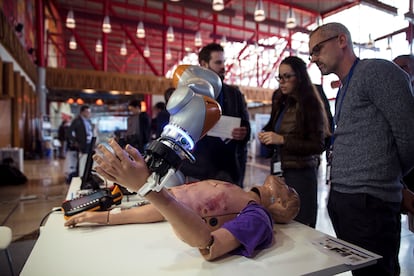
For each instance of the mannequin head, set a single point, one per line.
(281, 200)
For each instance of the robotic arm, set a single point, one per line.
(193, 112)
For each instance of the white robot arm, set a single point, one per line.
(193, 112)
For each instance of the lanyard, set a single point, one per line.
(342, 92)
(341, 100)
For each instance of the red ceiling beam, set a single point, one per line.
(84, 49)
(105, 39)
(134, 42)
(275, 65)
(216, 24)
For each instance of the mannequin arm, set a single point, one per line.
(142, 214)
(128, 167)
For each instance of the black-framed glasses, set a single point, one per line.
(318, 47)
(284, 77)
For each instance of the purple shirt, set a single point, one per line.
(253, 228)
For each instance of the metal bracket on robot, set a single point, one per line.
(155, 183)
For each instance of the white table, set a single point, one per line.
(153, 249)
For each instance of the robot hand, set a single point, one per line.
(193, 112)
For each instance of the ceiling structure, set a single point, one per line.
(187, 18)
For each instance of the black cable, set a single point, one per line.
(47, 215)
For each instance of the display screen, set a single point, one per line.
(83, 200)
(111, 123)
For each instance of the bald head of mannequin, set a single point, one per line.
(281, 200)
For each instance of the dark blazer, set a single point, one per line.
(77, 135)
(140, 139)
(216, 159)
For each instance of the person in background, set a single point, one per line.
(62, 136)
(139, 126)
(160, 120)
(168, 93)
(214, 216)
(327, 107)
(373, 146)
(296, 132)
(217, 158)
(406, 62)
(80, 135)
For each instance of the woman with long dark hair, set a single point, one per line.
(296, 133)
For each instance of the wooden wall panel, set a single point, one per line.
(1, 77)
(11, 42)
(25, 138)
(8, 79)
(30, 121)
(6, 123)
(17, 110)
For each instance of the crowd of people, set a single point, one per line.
(369, 147)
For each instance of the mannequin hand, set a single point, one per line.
(239, 133)
(90, 217)
(270, 138)
(125, 167)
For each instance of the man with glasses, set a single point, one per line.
(373, 146)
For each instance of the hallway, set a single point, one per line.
(23, 207)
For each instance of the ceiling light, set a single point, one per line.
(168, 55)
(170, 34)
(388, 44)
(370, 43)
(123, 50)
(99, 102)
(218, 5)
(89, 90)
(98, 46)
(291, 20)
(197, 39)
(72, 43)
(223, 41)
(319, 20)
(147, 52)
(259, 12)
(106, 25)
(140, 30)
(70, 20)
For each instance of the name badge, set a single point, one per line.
(277, 168)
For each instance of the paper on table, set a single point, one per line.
(348, 253)
(224, 127)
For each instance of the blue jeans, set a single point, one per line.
(370, 223)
